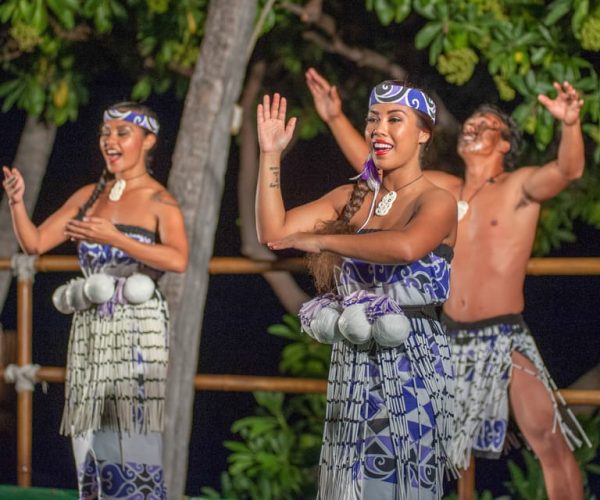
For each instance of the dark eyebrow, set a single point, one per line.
(395, 110)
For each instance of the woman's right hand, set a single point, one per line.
(273, 133)
(14, 185)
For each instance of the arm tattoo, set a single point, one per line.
(275, 182)
(160, 198)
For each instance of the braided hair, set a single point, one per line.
(321, 265)
(106, 175)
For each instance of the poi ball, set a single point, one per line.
(75, 297)
(59, 300)
(354, 325)
(391, 330)
(324, 326)
(99, 288)
(138, 288)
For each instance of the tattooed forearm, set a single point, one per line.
(275, 172)
(165, 198)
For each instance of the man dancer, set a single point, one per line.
(496, 358)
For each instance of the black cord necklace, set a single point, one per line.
(464, 205)
(386, 202)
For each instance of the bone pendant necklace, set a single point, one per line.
(119, 187)
(464, 205)
(385, 205)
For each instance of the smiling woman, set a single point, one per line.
(129, 231)
(383, 274)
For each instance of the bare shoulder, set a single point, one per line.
(442, 179)
(438, 199)
(82, 194)
(161, 196)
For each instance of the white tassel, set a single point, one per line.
(391, 330)
(99, 287)
(354, 325)
(59, 300)
(324, 326)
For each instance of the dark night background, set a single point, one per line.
(561, 311)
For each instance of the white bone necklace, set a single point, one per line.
(386, 202)
(119, 187)
(464, 205)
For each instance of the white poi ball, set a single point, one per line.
(59, 300)
(138, 288)
(324, 326)
(391, 330)
(354, 325)
(99, 288)
(75, 297)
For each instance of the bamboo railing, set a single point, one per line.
(26, 267)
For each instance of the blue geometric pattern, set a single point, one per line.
(390, 410)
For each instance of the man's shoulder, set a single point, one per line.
(442, 179)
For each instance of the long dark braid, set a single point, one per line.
(100, 185)
(322, 265)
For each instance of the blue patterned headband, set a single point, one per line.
(388, 92)
(139, 119)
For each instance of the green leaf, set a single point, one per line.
(142, 89)
(426, 35)
(557, 10)
(282, 331)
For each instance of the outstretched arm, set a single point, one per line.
(549, 180)
(272, 220)
(329, 107)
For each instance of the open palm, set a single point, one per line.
(566, 105)
(273, 133)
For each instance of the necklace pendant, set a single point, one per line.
(385, 205)
(117, 190)
(463, 208)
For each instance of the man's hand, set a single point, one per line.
(325, 96)
(565, 106)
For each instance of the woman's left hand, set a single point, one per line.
(306, 242)
(92, 229)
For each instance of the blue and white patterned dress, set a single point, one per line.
(390, 409)
(115, 385)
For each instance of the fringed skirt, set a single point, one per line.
(482, 354)
(117, 369)
(389, 418)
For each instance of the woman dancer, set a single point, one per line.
(129, 230)
(381, 255)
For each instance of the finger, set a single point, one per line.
(282, 108)
(289, 128)
(275, 106)
(334, 94)
(6, 171)
(266, 107)
(544, 100)
(260, 117)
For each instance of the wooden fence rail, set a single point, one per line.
(25, 268)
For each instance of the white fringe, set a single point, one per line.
(107, 387)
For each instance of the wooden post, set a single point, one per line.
(466, 482)
(23, 267)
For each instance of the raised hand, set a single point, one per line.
(565, 106)
(325, 96)
(14, 185)
(92, 229)
(273, 133)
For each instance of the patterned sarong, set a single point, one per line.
(482, 354)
